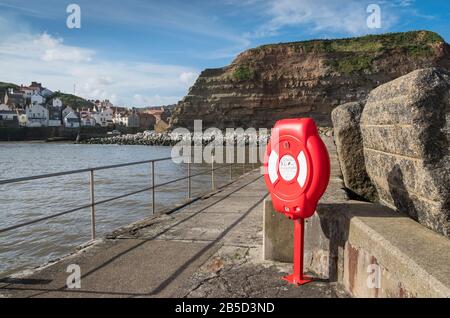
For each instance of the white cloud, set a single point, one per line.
(188, 77)
(316, 16)
(53, 49)
(155, 99)
(26, 57)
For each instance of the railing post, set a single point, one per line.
(231, 171)
(189, 179)
(243, 168)
(213, 186)
(91, 179)
(153, 187)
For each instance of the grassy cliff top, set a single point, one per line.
(4, 87)
(70, 100)
(412, 40)
(348, 55)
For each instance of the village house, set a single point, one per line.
(86, 118)
(128, 118)
(57, 102)
(71, 120)
(66, 110)
(87, 122)
(28, 91)
(162, 116)
(103, 117)
(46, 92)
(14, 99)
(106, 104)
(9, 118)
(146, 121)
(157, 112)
(37, 99)
(37, 116)
(54, 116)
(8, 115)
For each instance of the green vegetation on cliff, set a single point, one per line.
(411, 41)
(243, 73)
(351, 64)
(70, 100)
(4, 87)
(353, 55)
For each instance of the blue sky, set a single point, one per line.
(140, 53)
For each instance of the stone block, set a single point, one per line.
(349, 145)
(405, 133)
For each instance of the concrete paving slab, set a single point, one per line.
(235, 204)
(124, 268)
(201, 227)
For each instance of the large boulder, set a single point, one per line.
(349, 145)
(405, 132)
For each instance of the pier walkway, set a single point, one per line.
(209, 248)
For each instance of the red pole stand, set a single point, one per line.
(297, 277)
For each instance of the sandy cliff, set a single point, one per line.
(301, 79)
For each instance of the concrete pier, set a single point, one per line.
(370, 249)
(209, 248)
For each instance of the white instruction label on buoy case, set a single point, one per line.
(288, 168)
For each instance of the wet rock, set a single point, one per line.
(349, 145)
(405, 132)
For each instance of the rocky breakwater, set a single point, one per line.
(173, 138)
(304, 79)
(147, 139)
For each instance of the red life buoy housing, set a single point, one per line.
(297, 167)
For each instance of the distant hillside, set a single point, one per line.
(67, 99)
(307, 78)
(4, 87)
(70, 100)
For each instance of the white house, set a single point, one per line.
(28, 91)
(67, 110)
(8, 115)
(128, 119)
(37, 116)
(71, 120)
(57, 102)
(86, 118)
(37, 99)
(46, 92)
(104, 117)
(88, 121)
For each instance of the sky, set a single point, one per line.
(148, 53)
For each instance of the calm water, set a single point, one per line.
(20, 202)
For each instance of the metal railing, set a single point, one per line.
(94, 203)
